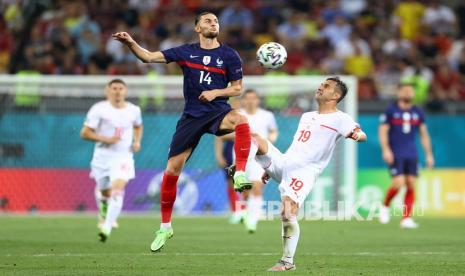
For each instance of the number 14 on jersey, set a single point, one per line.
(205, 77)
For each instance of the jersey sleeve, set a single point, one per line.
(175, 54)
(272, 122)
(92, 118)
(421, 116)
(138, 118)
(347, 125)
(386, 117)
(234, 67)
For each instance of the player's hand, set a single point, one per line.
(111, 140)
(430, 161)
(136, 146)
(388, 157)
(357, 134)
(222, 162)
(207, 96)
(265, 178)
(123, 37)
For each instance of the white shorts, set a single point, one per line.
(296, 182)
(105, 170)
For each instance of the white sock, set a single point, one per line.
(291, 233)
(253, 150)
(165, 225)
(115, 205)
(254, 208)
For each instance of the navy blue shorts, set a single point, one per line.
(404, 166)
(190, 129)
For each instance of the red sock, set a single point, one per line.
(168, 196)
(242, 145)
(391, 193)
(408, 202)
(232, 195)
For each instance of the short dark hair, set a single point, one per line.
(116, 81)
(198, 16)
(249, 91)
(341, 86)
(403, 84)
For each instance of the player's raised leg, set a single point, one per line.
(290, 235)
(168, 197)
(236, 121)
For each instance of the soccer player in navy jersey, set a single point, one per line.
(208, 68)
(400, 124)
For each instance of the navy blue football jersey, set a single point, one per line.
(404, 126)
(204, 70)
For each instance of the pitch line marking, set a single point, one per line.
(230, 254)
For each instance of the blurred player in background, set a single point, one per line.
(263, 123)
(224, 155)
(116, 127)
(208, 67)
(309, 153)
(400, 124)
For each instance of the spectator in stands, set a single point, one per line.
(292, 33)
(235, 17)
(407, 17)
(337, 32)
(446, 83)
(440, 18)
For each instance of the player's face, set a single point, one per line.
(116, 92)
(251, 101)
(406, 93)
(208, 26)
(327, 91)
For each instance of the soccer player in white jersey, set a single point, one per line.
(310, 151)
(116, 127)
(263, 123)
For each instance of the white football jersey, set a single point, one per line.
(110, 121)
(316, 137)
(262, 122)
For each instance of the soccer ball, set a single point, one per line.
(271, 55)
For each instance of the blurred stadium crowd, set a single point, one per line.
(380, 42)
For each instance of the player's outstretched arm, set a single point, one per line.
(141, 53)
(235, 89)
(88, 133)
(426, 143)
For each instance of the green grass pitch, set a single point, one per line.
(67, 245)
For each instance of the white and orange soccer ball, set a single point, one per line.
(272, 55)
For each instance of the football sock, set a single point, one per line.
(115, 204)
(242, 145)
(391, 193)
(232, 196)
(254, 208)
(168, 196)
(290, 233)
(165, 226)
(408, 202)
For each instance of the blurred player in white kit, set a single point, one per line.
(310, 151)
(116, 127)
(263, 123)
